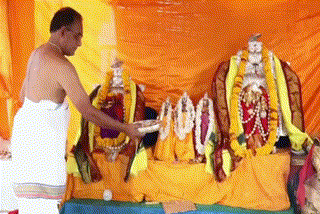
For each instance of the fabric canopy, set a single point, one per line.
(169, 46)
(176, 46)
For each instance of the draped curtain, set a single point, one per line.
(16, 44)
(174, 46)
(169, 46)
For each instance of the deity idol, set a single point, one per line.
(204, 131)
(258, 105)
(164, 149)
(175, 142)
(120, 98)
(184, 115)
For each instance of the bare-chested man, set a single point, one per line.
(40, 126)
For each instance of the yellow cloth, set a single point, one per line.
(172, 148)
(233, 70)
(208, 152)
(257, 183)
(184, 149)
(164, 149)
(297, 137)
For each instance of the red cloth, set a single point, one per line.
(14, 212)
(249, 126)
(306, 172)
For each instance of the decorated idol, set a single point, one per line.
(204, 130)
(261, 110)
(175, 141)
(164, 149)
(184, 115)
(115, 99)
(120, 98)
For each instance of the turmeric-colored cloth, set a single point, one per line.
(164, 149)
(184, 149)
(258, 183)
(172, 148)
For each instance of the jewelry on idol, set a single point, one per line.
(273, 105)
(199, 146)
(182, 128)
(166, 111)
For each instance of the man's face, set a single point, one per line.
(73, 35)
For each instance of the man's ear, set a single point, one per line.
(62, 31)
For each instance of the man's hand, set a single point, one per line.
(133, 132)
(5, 152)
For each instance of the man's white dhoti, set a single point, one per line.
(38, 149)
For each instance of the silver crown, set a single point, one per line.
(254, 45)
(117, 81)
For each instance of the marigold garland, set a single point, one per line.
(119, 142)
(234, 114)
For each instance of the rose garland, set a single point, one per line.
(199, 146)
(183, 128)
(115, 144)
(234, 115)
(166, 107)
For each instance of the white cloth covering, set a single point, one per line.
(38, 149)
(37, 206)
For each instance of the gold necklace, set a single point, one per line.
(55, 46)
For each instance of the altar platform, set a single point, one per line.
(94, 206)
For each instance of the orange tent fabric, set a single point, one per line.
(16, 44)
(176, 46)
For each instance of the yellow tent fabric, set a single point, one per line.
(182, 42)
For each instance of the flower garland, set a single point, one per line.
(199, 146)
(114, 144)
(183, 128)
(234, 115)
(164, 130)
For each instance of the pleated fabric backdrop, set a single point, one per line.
(169, 46)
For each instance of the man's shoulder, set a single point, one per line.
(55, 61)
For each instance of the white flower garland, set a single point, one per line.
(199, 146)
(166, 107)
(180, 129)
